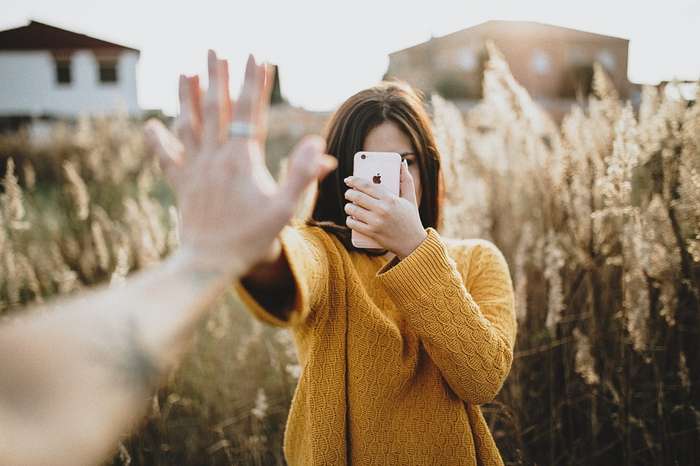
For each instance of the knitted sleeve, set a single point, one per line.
(308, 262)
(466, 326)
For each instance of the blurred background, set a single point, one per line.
(569, 136)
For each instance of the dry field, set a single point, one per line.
(599, 219)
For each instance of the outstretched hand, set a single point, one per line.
(231, 207)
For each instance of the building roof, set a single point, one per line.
(40, 36)
(525, 25)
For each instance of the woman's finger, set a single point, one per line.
(360, 213)
(408, 190)
(211, 130)
(361, 199)
(358, 226)
(366, 187)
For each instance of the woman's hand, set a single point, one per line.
(231, 207)
(392, 221)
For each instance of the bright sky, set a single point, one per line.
(328, 49)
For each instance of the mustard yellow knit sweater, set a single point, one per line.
(396, 356)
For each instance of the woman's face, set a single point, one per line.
(387, 137)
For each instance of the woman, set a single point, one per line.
(400, 346)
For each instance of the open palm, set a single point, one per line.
(230, 205)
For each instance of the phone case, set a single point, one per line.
(382, 168)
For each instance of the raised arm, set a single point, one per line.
(467, 325)
(271, 284)
(76, 377)
(306, 262)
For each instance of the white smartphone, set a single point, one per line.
(382, 168)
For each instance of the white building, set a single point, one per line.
(48, 72)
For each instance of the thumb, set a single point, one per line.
(408, 190)
(306, 164)
(328, 164)
(165, 145)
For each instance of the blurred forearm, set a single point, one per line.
(79, 375)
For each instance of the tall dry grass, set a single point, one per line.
(599, 219)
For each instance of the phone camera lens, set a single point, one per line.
(363, 156)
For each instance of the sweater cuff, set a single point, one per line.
(288, 240)
(419, 273)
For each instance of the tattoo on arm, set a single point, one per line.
(125, 356)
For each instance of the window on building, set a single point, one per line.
(467, 59)
(607, 59)
(454, 85)
(63, 71)
(577, 81)
(108, 71)
(541, 62)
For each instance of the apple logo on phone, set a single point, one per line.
(377, 179)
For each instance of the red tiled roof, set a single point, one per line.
(40, 36)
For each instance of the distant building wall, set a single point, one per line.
(547, 60)
(28, 85)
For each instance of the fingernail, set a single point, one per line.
(347, 179)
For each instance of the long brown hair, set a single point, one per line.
(345, 134)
